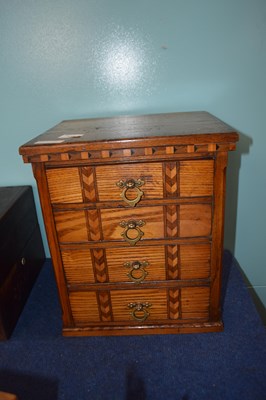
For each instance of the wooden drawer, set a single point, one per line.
(158, 222)
(64, 185)
(152, 228)
(151, 174)
(140, 306)
(189, 178)
(184, 262)
(84, 307)
(82, 265)
(136, 264)
(78, 265)
(195, 261)
(70, 185)
(196, 178)
(148, 305)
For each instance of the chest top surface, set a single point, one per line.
(130, 131)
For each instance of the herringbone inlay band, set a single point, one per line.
(172, 261)
(174, 303)
(100, 269)
(88, 184)
(105, 307)
(171, 179)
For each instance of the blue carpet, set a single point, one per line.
(37, 363)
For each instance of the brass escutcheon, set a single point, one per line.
(139, 313)
(130, 226)
(137, 271)
(131, 184)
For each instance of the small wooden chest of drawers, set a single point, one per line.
(134, 209)
(21, 253)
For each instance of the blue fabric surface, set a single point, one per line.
(38, 363)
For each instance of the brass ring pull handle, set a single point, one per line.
(132, 227)
(139, 313)
(137, 271)
(131, 184)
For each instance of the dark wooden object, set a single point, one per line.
(21, 253)
(134, 210)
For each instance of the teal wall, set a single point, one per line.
(64, 59)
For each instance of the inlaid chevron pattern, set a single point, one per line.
(173, 297)
(171, 212)
(100, 269)
(88, 184)
(171, 179)
(94, 231)
(104, 301)
(172, 262)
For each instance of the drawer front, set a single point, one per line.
(136, 264)
(111, 178)
(108, 224)
(85, 266)
(114, 229)
(196, 178)
(195, 220)
(82, 265)
(140, 306)
(159, 304)
(125, 182)
(195, 302)
(71, 226)
(78, 265)
(190, 220)
(64, 185)
(84, 307)
(194, 261)
(77, 184)
(144, 264)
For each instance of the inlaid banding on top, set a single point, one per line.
(165, 151)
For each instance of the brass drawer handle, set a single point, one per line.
(139, 312)
(132, 226)
(137, 271)
(131, 184)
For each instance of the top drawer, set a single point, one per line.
(131, 183)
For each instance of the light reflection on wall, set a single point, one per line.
(124, 62)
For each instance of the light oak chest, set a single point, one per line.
(134, 209)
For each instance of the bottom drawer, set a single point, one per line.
(140, 306)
